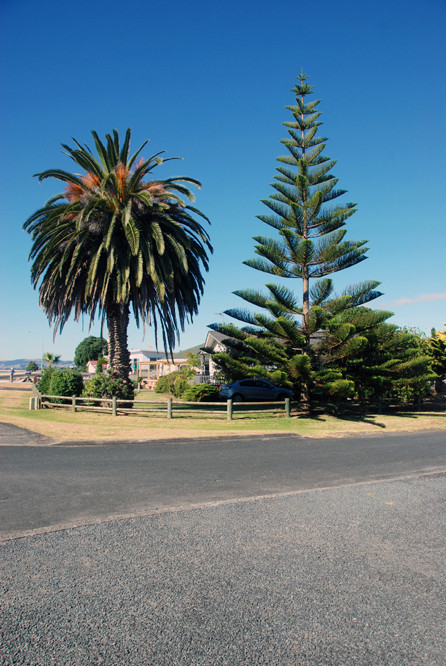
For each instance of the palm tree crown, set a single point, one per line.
(51, 358)
(114, 240)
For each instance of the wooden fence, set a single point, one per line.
(167, 408)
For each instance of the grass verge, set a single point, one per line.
(63, 425)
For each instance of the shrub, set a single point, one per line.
(165, 384)
(104, 386)
(101, 361)
(45, 380)
(180, 385)
(201, 393)
(66, 382)
(174, 383)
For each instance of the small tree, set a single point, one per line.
(436, 349)
(391, 365)
(101, 362)
(45, 380)
(191, 365)
(51, 358)
(32, 366)
(90, 349)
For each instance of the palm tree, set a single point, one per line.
(115, 241)
(51, 358)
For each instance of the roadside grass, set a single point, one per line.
(63, 425)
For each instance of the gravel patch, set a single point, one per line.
(351, 575)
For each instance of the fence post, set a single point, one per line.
(169, 408)
(32, 402)
(229, 409)
(73, 403)
(287, 407)
(114, 406)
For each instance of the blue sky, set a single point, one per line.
(208, 81)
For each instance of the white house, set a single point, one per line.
(151, 365)
(215, 342)
(92, 366)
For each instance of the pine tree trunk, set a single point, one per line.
(305, 272)
(305, 304)
(117, 322)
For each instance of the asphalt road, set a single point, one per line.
(47, 487)
(276, 551)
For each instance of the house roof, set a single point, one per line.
(190, 350)
(214, 338)
(218, 335)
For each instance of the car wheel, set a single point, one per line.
(282, 397)
(237, 397)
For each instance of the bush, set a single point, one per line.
(45, 380)
(174, 383)
(104, 386)
(165, 384)
(201, 393)
(66, 382)
(101, 361)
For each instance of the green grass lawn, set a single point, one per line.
(63, 425)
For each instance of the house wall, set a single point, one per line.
(151, 371)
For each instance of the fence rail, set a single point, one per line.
(169, 407)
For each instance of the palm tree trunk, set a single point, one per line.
(117, 322)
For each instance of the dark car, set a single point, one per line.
(254, 389)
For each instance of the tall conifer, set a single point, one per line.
(311, 339)
(311, 229)
(310, 246)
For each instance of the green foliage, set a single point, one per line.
(90, 349)
(32, 367)
(436, 350)
(117, 239)
(311, 230)
(175, 383)
(45, 380)
(325, 346)
(101, 362)
(51, 358)
(105, 386)
(440, 334)
(191, 365)
(201, 393)
(390, 364)
(300, 337)
(66, 382)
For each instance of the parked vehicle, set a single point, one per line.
(251, 390)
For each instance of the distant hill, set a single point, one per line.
(21, 363)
